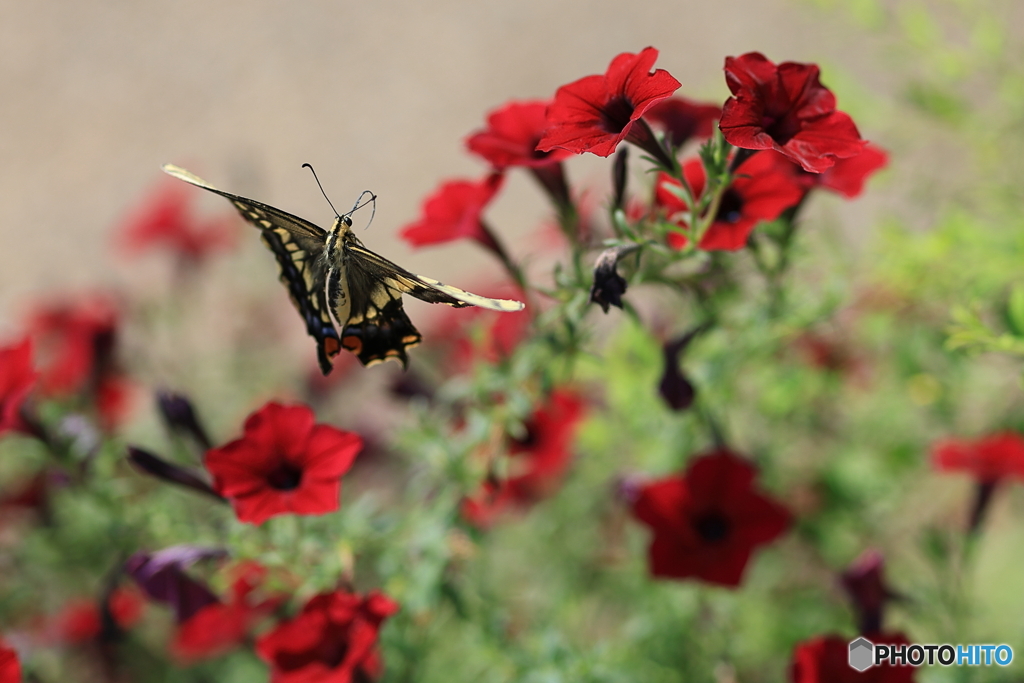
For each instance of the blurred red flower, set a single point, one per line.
(453, 212)
(708, 521)
(17, 378)
(987, 459)
(284, 463)
(220, 627)
(332, 640)
(76, 344)
(825, 659)
(81, 619)
(512, 134)
(539, 460)
(166, 220)
(10, 666)
(786, 108)
(683, 119)
(763, 188)
(596, 113)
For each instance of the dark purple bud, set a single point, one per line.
(180, 416)
(864, 583)
(675, 388)
(153, 465)
(161, 575)
(609, 286)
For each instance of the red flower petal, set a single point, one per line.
(595, 113)
(512, 134)
(10, 667)
(825, 659)
(988, 459)
(684, 119)
(453, 212)
(786, 108)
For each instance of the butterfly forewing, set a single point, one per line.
(361, 289)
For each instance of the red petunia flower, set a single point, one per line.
(332, 640)
(988, 459)
(283, 463)
(825, 659)
(786, 108)
(453, 212)
(596, 113)
(17, 378)
(512, 134)
(539, 460)
(166, 220)
(708, 521)
(684, 119)
(220, 627)
(763, 188)
(10, 666)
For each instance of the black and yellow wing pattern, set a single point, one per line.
(331, 273)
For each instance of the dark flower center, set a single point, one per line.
(712, 527)
(615, 114)
(731, 208)
(782, 125)
(285, 478)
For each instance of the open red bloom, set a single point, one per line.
(596, 113)
(786, 108)
(512, 134)
(683, 119)
(825, 659)
(539, 459)
(10, 666)
(17, 377)
(988, 459)
(166, 220)
(453, 212)
(220, 627)
(332, 640)
(283, 463)
(708, 521)
(763, 188)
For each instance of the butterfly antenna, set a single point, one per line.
(310, 167)
(360, 204)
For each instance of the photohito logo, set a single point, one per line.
(864, 654)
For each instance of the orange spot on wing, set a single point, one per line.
(353, 344)
(331, 347)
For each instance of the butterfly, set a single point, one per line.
(330, 273)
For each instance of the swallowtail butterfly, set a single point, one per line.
(330, 272)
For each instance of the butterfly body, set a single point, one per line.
(331, 277)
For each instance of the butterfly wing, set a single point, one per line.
(378, 328)
(298, 246)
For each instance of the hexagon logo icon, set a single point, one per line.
(862, 654)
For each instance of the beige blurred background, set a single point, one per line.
(97, 95)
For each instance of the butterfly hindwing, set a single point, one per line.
(378, 328)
